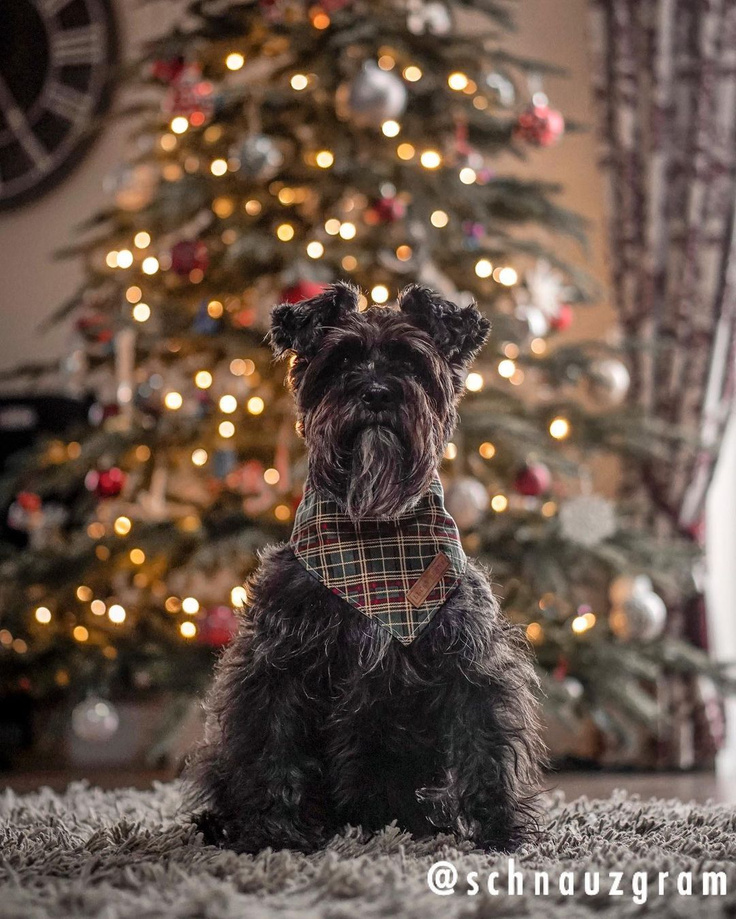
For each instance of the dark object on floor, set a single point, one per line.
(411, 699)
(110, 855)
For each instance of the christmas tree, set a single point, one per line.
(279, 146)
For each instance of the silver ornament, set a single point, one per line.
(132, 187)
(466, 500)
(259, 157)
(587, 520)
(609, 381)
(376, 95)
(432, 17)
(646, 615)
(503, 87)
(95, 720)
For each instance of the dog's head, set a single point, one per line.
(376, 391)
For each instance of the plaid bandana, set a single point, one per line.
(397, 571)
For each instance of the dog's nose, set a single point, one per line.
(376, 397)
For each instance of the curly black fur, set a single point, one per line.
(317, 716)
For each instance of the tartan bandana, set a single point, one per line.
(398, 571)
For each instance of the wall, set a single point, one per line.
(33, 284)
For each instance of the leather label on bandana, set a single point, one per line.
(428, 580)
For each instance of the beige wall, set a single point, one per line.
(32, 284)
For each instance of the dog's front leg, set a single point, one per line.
(260, 775)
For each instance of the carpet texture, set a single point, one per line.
(89, 853)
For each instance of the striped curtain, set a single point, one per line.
(665, 84)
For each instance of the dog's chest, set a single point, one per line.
(396, 571)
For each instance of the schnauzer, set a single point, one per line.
(373, 678)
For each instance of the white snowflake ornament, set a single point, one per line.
(587, 520)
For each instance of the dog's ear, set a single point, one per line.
(300, 327)
(458, 332)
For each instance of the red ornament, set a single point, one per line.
(540, 125)
(533, 480)
(190, 96)
(167, 70)
(302, 290)
(189, 255)
(29, 501)
(106, 484)
(95, 327)
(386, 210)
(217, 626)
(561, 670)
(563, 319)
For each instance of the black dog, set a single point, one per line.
(319, 716)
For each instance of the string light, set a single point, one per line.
(511, 350)
(559, 428)
(150, 265)
(188, 629)
(142, 239)
(349, 263)
(403, 253)
(391, 128)
(517, 378)
(84, 593)
(439, 219)
(19, 646)
(199, 456)
(228, 404)
(379, 294)
(549, 509)
(320, 20)
(234, 60)
(142, 453)
(190, 606)
(218, 167)
(315, 249)
(137, 556)
(271, 476)
(255, 405)
(141, 312)
(215, 309)
(98, 607)
(125, 258)
(481, 103)
(299, 81)
(347, 230)
(325, 159)
(412, 73)
(467, 175)
(179, 124)
(116, 614)
(43, 615)
(122, 526)
(223, 206)
(285, 232)
(172, 605)
(583, 622)
(242, 368)
(487, 450)
(239, 596)
(332, 226)
(252, 207)
(499, 503)
(457, 81)
(96, 530)
(386, 62)
(173, 400)
(168, 142)
(474, 382)
(226, 429)
(535, 633)
(538, 345)
(506, 369)
(133, 294)
(111, 259)
(102, 553)
(282, 512)
(430, 159)
(80, 633)
(450, 451)
(483, 268)
(507, 276)
(203, 379)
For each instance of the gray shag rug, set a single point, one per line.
(126, 853)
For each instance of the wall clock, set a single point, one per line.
(56, 63)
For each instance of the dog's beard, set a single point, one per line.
(374, 469)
